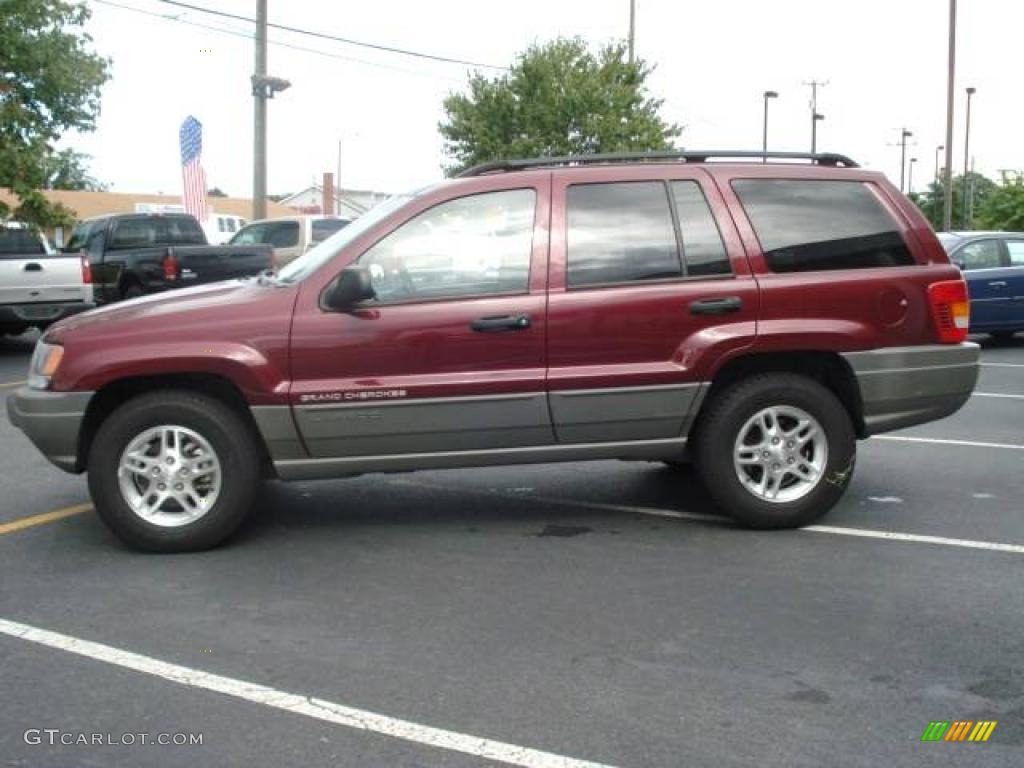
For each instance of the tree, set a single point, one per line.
(216, 192)
(931, 202)
(49, 84)
(557, 99)
(67, 170)
(1003, 208)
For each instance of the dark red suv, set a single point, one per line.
(755, 318)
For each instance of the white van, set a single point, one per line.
(221, 227)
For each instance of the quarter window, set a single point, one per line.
(619, 233)
(806, 225)
(703, 249)
(480, 244)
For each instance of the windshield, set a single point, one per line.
(314, 258)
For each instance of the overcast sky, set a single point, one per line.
(884, 60)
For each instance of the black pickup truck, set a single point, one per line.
(134, 254)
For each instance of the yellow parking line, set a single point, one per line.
(44, 518)
(8, 384)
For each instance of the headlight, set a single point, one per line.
(45, 362)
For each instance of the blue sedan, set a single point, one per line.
(993, 265)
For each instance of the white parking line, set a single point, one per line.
(942, 441)
(307, 706)
(869, 533)
(1001, 365)
(997, 394)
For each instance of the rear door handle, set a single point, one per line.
(997, 284)
(32, 267)
(720, 306)
(499, 323)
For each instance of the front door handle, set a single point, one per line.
(499, 323)
(720, 306)
(997, 284)
(32, 267)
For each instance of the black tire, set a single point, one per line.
(132, 290)
(721, 426)
(225, 431)
(1001, 337)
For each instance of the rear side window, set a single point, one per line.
(807, 225)
(1015, 248)
(619, 233)
(17, 241)
(324, 228)
(144, 232)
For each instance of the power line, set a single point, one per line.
(325, 36)
(280, 43)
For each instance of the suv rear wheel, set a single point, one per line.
(173, 471)
(776, 450)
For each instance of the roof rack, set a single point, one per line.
(685, 156)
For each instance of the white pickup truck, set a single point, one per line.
(38, 286)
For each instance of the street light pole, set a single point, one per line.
(815, 117)
(904, 135)
(764, 140)
(965, 217)
(910, 176)
(259, 160)
(947, 204)
(632, 30)
(937, 150)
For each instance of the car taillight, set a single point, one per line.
(950, 310)
(86, 270)
(170, 265)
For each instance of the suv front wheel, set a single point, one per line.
(173, 471)
(776, 450)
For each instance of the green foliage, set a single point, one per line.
(557, 99)
(1004, 207)
(49, 84)
(216, 192)
(931, 201)
(68, 169)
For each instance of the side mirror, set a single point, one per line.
(353, 286)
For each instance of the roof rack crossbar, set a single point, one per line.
(685, 156)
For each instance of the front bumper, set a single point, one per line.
(904, 386)
(41, 314)
(52, 421)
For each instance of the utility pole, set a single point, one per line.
(965, 215)
(904, 135)
(259, 160)
(910, 176)
(947, 205)
(815, 117)
(263, 88)
(937, 150)
(632, 30)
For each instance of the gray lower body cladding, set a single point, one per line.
(904, 386)
(52, 421)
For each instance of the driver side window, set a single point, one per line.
(471, 246)
(983, 254)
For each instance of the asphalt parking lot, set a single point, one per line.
(565, 615)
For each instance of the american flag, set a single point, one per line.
(191, 138)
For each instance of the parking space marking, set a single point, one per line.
(997, 394)
(916, 538)
(44, 518)
(307, 706)
(945, 441)
(1001, 365)
(9, 384)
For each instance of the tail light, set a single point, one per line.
(950, 310)
(86, 270)
(170, 266)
